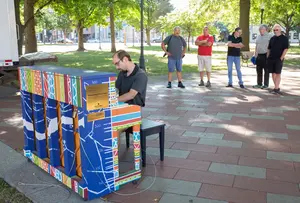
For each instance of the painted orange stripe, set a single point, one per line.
(127, 176)
(115, 134)
(125, 110)
(77, 144)
(126, 122)
(136, 128)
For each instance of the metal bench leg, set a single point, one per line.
(127, 139)
(162, 143)
(143, 149)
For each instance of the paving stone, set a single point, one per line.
(238, 170)
(283, 136)
(205, 177)
(158, 117)
(175, 198)
(159, 104)
(293, 127)
(210, 125)
(204, 135)
(231, 194)
(242, 152)
(184, 163)
(195, 147)
(170, 185)
(222, 143)
(266, 163)
(283, 156)
(281, 98)
(160, 171)
(220, 158)
(276, 198)
(252, 116)
(195, 103)
(283, 175)
(186, 108)
(148, 109)
(263, 185)
(12, 110)
(169, 152)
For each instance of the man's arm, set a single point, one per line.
(128, 96)
(201, 42)
(138, 86)
(283, 54)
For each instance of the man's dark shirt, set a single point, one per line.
(277, 45)
(137, 80)
(232, 51)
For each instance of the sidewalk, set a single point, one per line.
(222, 145)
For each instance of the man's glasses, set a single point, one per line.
(275, 30)
(117, 63)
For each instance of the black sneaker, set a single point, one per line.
(169, 85)
(229, 86)
(181, 85)
(242, 86)
(275, 91)
(208, 84)
(264, 87)
(201, 83)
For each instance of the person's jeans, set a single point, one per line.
(237, 62)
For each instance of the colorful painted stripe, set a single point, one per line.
(125, 110)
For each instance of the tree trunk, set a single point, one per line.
(287, 31)
(162, 35)
(244, 22)
(148, 36)
(189, 41)
(20, 27)
(80, 36)
(30, 43)
(112, 28)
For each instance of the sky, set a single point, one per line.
(179, 4)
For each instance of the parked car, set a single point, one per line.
(157, 40)
(93, 41)
(62, 40)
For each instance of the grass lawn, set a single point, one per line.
(155, 63)
(101, 61)
(9, 194)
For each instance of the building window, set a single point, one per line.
(296, 35)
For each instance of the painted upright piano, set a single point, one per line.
(71, 118)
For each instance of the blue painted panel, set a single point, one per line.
(28, 121)
(52, 132)
(39, 124)
(68, 138)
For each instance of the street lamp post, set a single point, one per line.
(262, 9)
(142, 59)
(100, 38)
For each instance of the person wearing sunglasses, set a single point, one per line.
(277, 49)
(235, 43)
(261, 49)
(131, 81)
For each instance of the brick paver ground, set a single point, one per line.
(222, 145)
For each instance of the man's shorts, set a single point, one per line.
(173, 63)
(204, 62)
(275, 65)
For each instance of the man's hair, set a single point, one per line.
(176, 28)
(263, 26)
(121, 54)
(278, 26)
(237, 29)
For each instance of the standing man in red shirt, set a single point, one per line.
(204, 43)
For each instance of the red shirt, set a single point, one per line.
(205, 50)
